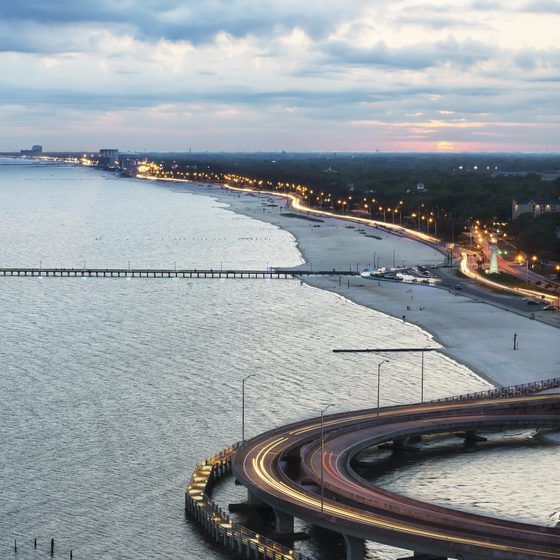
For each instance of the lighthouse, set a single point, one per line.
(493, 256)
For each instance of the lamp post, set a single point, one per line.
(422, 377)
(379, 383)
(323, 455)
(243, 407)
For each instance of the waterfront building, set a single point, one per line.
(130, 164)
(535, 207)
(36, 150)
(109, 158)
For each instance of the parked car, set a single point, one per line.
(550, 308)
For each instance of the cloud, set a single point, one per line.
(542, 6)
(414, 57)
(189, 20)
(280, 66)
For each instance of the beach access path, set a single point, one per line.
(474, 332)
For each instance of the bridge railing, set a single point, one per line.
(503, 392)
(217, 523)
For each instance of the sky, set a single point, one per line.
(271, 75)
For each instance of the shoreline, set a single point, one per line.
(472, 332)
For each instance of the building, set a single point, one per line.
(109, 158)
(535, 207)
(130, 165)
(35, 151)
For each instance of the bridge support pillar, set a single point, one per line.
(471, 437)
(422, 556)
(253, 500)
(284, 522)
(355, 548)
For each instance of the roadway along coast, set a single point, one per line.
(283, 468)
(295, 202)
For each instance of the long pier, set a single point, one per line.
(170, 272)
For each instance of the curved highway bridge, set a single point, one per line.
(301, 475)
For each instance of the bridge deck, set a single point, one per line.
(273, 465)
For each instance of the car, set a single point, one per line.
(458, 287)
(550, 308)
(533, 302)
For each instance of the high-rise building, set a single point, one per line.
(109, 158)
(36, 150)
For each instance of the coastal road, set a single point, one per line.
(516, 302)
(284, 468)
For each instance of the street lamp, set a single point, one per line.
(379, 383)
(422, 377)
(323, 455)
(243, 407)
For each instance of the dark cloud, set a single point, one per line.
(542, 6)
(436, 21)
(190, 20)
(535, 6)
(488, 5)
(415, 57)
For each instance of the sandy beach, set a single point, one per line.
(471, 331)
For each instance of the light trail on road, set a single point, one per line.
(514, 290)
(258, 466)
(298, 205)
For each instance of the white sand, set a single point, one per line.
(477, 334)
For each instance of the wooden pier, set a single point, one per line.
(169, 273)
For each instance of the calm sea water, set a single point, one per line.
(112, 389)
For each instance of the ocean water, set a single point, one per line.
(112, 389)
(514, 477)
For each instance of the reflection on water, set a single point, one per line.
(489, 479)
